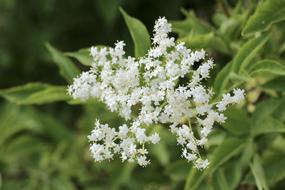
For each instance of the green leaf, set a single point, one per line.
(222, 79)
(124, 175)
(13, 119)
(229, 148)
(178, 170)
(83, 56)
(267, 13)
(67, 69)
(239, 63)
(235, 169)
(248, 52)
(62, 182)
(267, 66)
(267, 125)
(209, 40)
(161, 153)
(35, 93)
(276, 84)
(266, 108)
(238, 122)
(107, 10)
(274, 164)
(258, 173)
(191, 23)
(220, 181)
(21, 146)
(263, 120)
(230, 27)
(139, 34)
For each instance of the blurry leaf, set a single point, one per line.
(267, 125)
(124, 175)
(161, 153)
(229, 148)
(191, 23)
(279, 112)
(14, 184)
(237, 78)
(276, 84)
(236, 168)
(248, 52)
(238, 122)
(14, 120)
(53, 127)
(267, 13)
(258, 173)
(139, 34)
(220, 181)
(194, 179)
(222, 79)
(35, 93)
(61, 182)
(263, 120)
(108, 10)
(178, 170)
(239, 63)
(21, 147)
(266, 108)
(67, 69)
(231, 26)
(267, 66)
(83, 56)
(209, 40)
(274, 166)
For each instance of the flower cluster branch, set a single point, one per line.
(152, 84)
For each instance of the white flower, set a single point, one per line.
(142, 161)
(228, 99)
(201, 164)
(151, 83)
(238, 95)
(154, 138)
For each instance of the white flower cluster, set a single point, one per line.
(147, 91)
(128, 142)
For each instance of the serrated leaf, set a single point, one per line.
(267, 13)
(267, 66)
(139, 34)
(35, 93)
(258, 173)
(67, 69)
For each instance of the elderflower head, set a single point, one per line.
(152, 84)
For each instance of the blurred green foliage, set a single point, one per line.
(43, 145)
